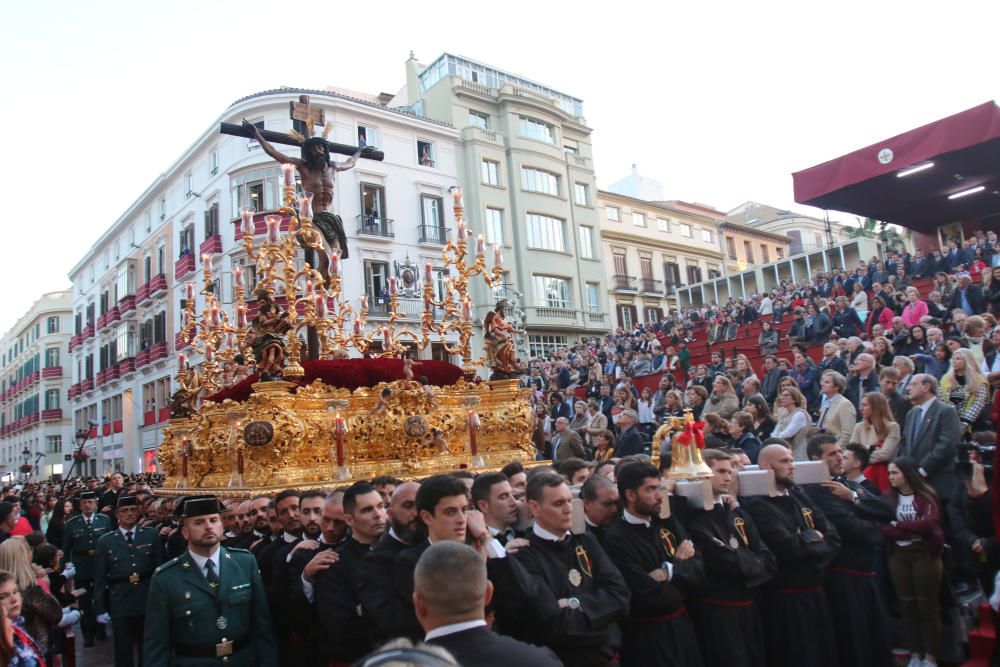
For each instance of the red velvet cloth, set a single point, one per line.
(354, 373)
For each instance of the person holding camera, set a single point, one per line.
(973, 517)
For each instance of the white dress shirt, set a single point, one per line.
(201, 560)
(453, 628)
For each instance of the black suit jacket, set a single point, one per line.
(481, 647)
(974, 294)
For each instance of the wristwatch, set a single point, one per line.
(574, 604)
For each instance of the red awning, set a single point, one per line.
(965, 150)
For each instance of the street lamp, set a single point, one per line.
(79, 456)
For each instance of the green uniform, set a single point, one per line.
(80, 547)
(191, 624)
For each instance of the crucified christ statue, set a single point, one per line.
(317, 173)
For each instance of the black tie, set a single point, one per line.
(128, 537)
(210, 575)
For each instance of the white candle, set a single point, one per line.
(238, 274)
(357, 326)
(480, 244)
(181, 361)
(320, 305)
(288, 171)
(497, 256)
(309, 287)
(364, 302)
(428, 273)
(208, 353)
(461, 230)
(206, 259)
(273, 227)
(456, 194)
(335, 262)
(466, 309)
(241, 317)
(247, 215)
(190, 291)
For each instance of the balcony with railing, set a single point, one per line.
(142, 294)
(651, 286)
(183, 266)
(74, 342)
(158, 351)
(88, 331)
(369, 225)
(259, 224)
(126, 304)
(622, 283)
(87, 385)
(181, 341)
(126, 365)
(142, 358)
(114, 315)
(158, 284)
(211, 246)
(52, 372)
(434, 235)
(411, 309)
(54, 414)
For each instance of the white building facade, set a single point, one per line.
(35, 428)
(128, 288)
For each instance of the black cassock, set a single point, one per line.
(343, 635)
(737, 562)
(860, 615)
(658, 630)
(575, 567)
(382, 602)
(797, 623)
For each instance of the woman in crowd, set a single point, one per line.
(39, 609)
(965, 388)
(859, 301)
(16, 645)
(914, 309)
(882, 351)
(605, 447)
(915, 541)
(793, 425)
(877, 431)
(846, 321)
(701, 377)
(937, 363)
(768, 338)
(581, 419)
(717, 429)
(943, 285)
(756, 407)
(598, 422)
(744, 368)
(540, 433)
(936, 307)
(741, 430)
(673, 404)
(915, 343)
(647, 420)
(730, 328)
(723, 400)
(880, 314)
(777, 410)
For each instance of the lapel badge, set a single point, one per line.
(574, 577)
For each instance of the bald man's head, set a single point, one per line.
(450, 585)
(779, 459)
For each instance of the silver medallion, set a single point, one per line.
(221, 623)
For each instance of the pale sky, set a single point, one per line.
(719, 101)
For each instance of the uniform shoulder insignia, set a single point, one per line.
(237, 550)
(73, 519)
(170, 563)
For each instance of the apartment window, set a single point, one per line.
(213, 162)
(685, 230)
(53, 444)
(540, 345)
(376, 279)
(125, 283)
(693, 274)
(731, 247)
(188, 185)
(536, 180)
(367, 136)
(545, 233)
(593, 298)
(212, 221)
(163, 208)
(52, 357)
(639, 219)
(494, 226)
(149, 221)
(586, 242)
(580, 194)
(477, 119)
(52, 325)
(431, 212)
(52, 399)
(706, 235)
(161, 260)
(764, 254)
(748, 251)
(646, 267)
(125, 340)
(536, 129)
(713, 272)
(672, 273)
(663, 224)
(373, 202)
(147, 269)
(160, 328)
(552, 292)
(187, 240)
(780, 253)
(613, 213)
(425, 153)
(491, 172)
(626, 316)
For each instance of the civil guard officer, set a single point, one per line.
(126, 558)
(208, 606)
(80, 546)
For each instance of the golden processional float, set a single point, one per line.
(256, 417)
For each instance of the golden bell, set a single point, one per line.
(686, 461)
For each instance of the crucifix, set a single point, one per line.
(316, 172)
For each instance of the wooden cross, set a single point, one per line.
(305, 117)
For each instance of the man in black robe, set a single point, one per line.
(860, 616)
(344, 637)
(381, 602)
(797, 623)
(737, 562)
(600, 505)
(661, 567)
(580, 593)
(274, 556)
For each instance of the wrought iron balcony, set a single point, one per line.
(434, 234)
(624, 283)
(371, 225)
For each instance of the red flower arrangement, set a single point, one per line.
(80, 455)
(353, 373)
(26, 468)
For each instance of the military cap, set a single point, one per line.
(127, 501)
(88, 495)
(192, 506)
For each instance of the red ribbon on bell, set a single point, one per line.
(693, 432)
